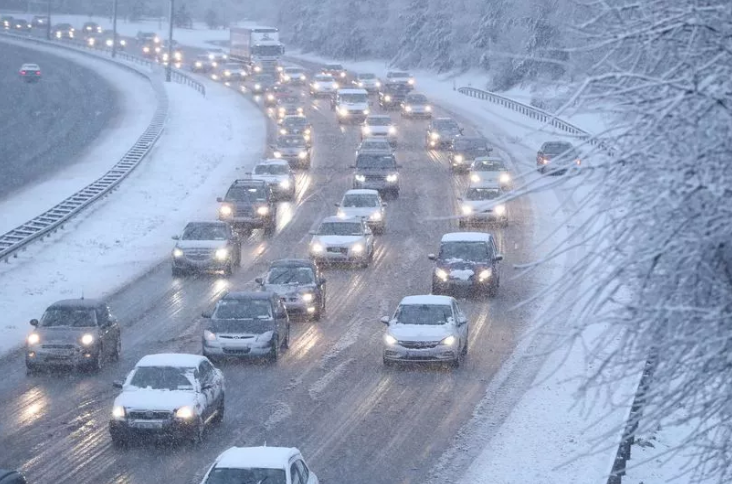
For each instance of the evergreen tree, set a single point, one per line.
(438, 38)
(489, 29)
(212, 19)
(414, 19)
(182, 18)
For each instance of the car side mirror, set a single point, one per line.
(207, 314)
(219, 199)
(498, 257)
(176, 237)
(259, 280)
(385, 320)
(431, 256)
(207, 386)
(34, 322)
(118, 383)
(460, 199)
(460, 130)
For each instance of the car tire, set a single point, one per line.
(31, 369)
(286, 342)
(118, 441)
(389, 363)
(274, 352)
(117, 350)
(220, 410)
(229, 270)
(196, 438)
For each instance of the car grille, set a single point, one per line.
(198, 254)
(338, 250)
(229, 336)
(418, 345)
(375, 177)
(58, 347)
(244, 211)
(149, 415)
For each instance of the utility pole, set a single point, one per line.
(114, 29)
(169, 67)
(48, 21)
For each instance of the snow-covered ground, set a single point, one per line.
(127, 233)
(137, 103)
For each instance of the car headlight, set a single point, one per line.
(227, 73)
(343, 111)
(449, 341)
(366, 130)
(360, 178)
(177, 252)
(441, 274)
(376, 216)
(392, 129)
(91, 41)
(366, 111)
(302, 78)
(459, 158)
(277, 154)
(466, 209)
(387, 98)
(34, 339)
(257, 87)
(157, 49)
(360, 84)
(378, 84)
(428, 109)
(257, 69)
(225, 210)
(407, 108)
(316, 248)
(500, 209)
(306, 136)
(316, 86)
(185, 413)
(299, 110)
(221, 254)
(109, 43)
(485, 274)
(123, 42)
(146, 49)
(87, 339)
(285, 184)
(308, 297)
(392, 178)
(390, 340)
(287, 78)
(263, 210)
(357, 248)
(410, 82)
(199, 64)
(435, 136)
(209, 335)
(341, 214)
(58, 35)
(474, 178)
(118, 412)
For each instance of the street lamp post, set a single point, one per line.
(48, 21)
(114, 29)
(169, 67)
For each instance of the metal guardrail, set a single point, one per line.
(536, 114)
(49, 221)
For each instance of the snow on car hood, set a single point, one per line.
(359, 211)
(481, 205)
(492, 177)
(201, 244)
(148, 399)
(338, 240)
(354, 106)
(420, 332)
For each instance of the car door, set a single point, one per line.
(306, 477)
(461, 321)
(213, 378)
(207, 389)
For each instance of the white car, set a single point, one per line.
(173, 395)
(293, 75)
(364, 204)
(216, 56)
(367, 81)
(260, 465)
(426, 328)
(323, 85)
(490, 171)
(380, 126)
(278, 175)
(416, 106)
(348, 240)
(399, 79)
(483, 204)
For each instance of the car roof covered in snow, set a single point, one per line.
(292, 263)
(361, 191)
(256, 457)
(178, 360)
(77, 303)
(353, 91)
(466, 237)
(273, 161)
(426, 299)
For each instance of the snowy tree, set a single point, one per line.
(438, 36)
(488, 31)
(414, 19)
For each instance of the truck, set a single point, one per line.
(257, 47)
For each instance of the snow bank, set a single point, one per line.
(136, 103)
(126, 234)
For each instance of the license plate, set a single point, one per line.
(146, 425)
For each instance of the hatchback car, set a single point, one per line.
(416, 106)
(260, 465)
(63, 31)
(30, 72)
(323, 85)
(206, 246)
(380, 126)
(294, 149)
(557, 157)
(293, 75)
(465, 149)
(278, 175)
(426, 328)
(482, 205)
(342, 240)
(364, 204)
(289, 106)
(246, 325)
(335, 70)
(297, 125)
(300, 285)
(74, 333)
(22, 25)
(167, 396)
(490, 171)
(467, 261)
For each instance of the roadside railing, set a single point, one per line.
(49, 221)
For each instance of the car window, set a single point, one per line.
(247, 194)
(290, 275)
(295, 474)
(73, 317)
(322, 78)
(488, 165)
(464, 251)
(375, 161)
(205, 370)
(483, 194)
(243, 309)
(360, 201)
(271, 170)
(304, 472)
(341, 228)
(163, 378)
(103, 315)
(204, 232)
(428, 314)
(230, 475)
(417, 98)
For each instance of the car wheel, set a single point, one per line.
(229, 270)
(31, 369)
(118, 441)
(197, 435)
(456, 362)
(274, 352)
(117, 350)
(389, 363)
(220, 411)
(97, 361)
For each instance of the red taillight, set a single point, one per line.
(22, 73)
(38, 73)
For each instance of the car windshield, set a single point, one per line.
(73, 317)
(465, 251)
(290, 141)
(340, 228)
(322, 78)
(483, 194)
(290, 275)
(296, 121)
(224, 475)
(360, 201)
(433, 314)
(289, 100)
(162, 378)
(378, 121)
(374, 144)
(489, 165)
(445, 125)
(354, 98)
(271, 169)
(233, 66)
(293, 72)
(30, 67)
(417, 98)
(247, 194)
(375, 161)
(243, 309)
(470, 144)
(397, 75)
(204, 232)
(557, 149)
(366, 76)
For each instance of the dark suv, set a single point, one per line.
(468, 261)
(557, 157)
(249, 204)
(392, 96)
(464, 149)
(246, 324)
(377, 171)
(300, 285)
(441, 132)
(73, 333)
